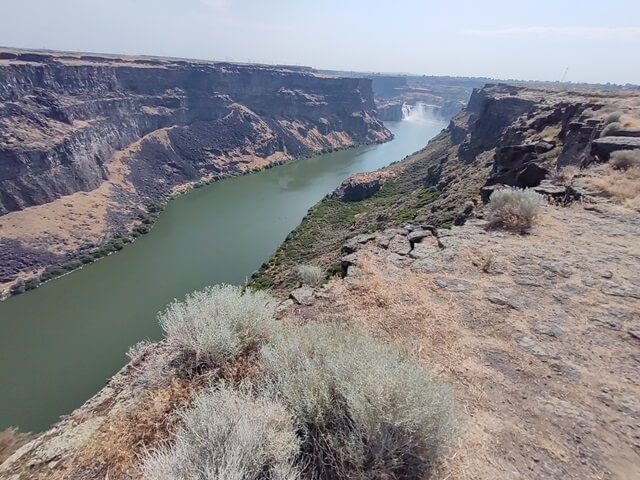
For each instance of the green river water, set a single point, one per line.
(60, 343)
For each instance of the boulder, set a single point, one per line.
(354, 243)
(417, 235)
(454, 285)
(543, 147)
(517, 166)
(550, 190)
(302, 296)
(399, 245)
(487, 190)
(603, 147)
(361, 186)
(464, 213)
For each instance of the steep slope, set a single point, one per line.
(88, 144)
(507, 135)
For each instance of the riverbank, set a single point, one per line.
(141, 226)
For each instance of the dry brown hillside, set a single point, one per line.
(539, 334)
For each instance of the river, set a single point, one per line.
(60, 343)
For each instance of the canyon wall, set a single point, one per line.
(89, 143)
(62, 119)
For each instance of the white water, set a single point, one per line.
(420, 112)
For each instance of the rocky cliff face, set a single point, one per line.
(131, 131)
(62, 119)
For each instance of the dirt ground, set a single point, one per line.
(539, 334)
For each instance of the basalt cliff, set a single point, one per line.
(90, 144)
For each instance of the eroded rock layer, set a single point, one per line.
(133, 130)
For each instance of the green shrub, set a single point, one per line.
(513, 208)
(364, 410)
(625, 159)
(611, 128)
(228, 435)
(613, 117)
(218, 323)
(311, 275)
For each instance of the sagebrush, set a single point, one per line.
(216, 324)
(611, 128)
(228, 435)
(625, 159)
(613, 117)
(311, 275)
(621, 185)
(513, 208)
(564, 175)
(364, 409)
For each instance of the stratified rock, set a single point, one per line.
(576, 148)
(614, 318)
(361, 186)
(535, 347)
(617, 290)
(605, 146)
(550, 190)
(515, 165)
(417, 235)
(453, 284)
(543, 147)
(501, 297)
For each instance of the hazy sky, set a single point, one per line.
(598, 41)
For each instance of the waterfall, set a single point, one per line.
(420, 112)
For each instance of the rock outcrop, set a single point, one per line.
(604, 147)
(509, 135)
(361, 186)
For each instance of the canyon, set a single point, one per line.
(536, 331)
(522, 325)
(91, 145)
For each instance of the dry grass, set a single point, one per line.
(565, 175)
(400, 309)
(623, 186)
(625, 159)
(114, 449)
(311, 275)
(10, 441)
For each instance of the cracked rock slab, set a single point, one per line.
(453, 285)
